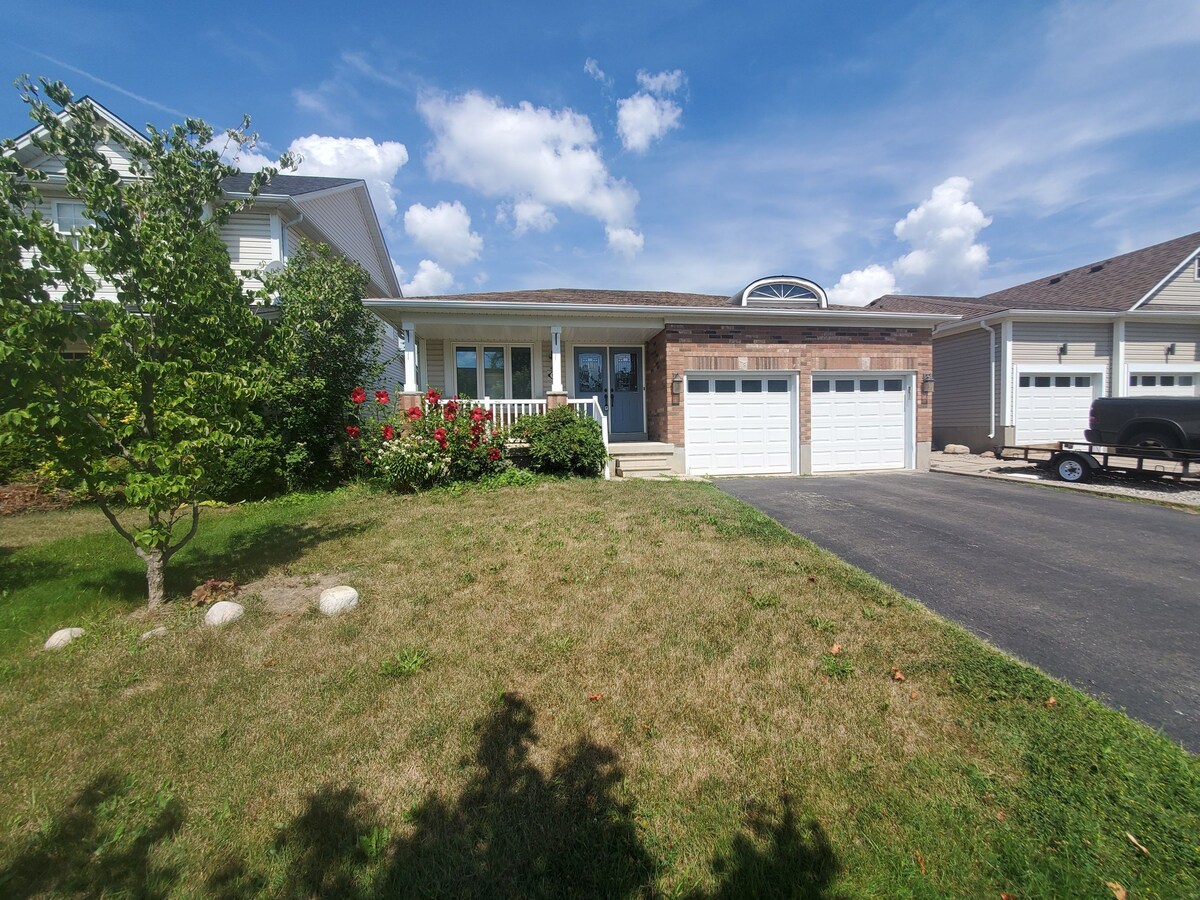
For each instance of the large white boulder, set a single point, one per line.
(340, 599)
(223, 612)
(61, 638)
(956, 449)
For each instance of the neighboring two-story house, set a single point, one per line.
(333, 211)
(1023, 365)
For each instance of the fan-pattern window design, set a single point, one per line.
(781, 290)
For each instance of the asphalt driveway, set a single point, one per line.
(1102, 593)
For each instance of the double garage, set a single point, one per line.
(750, 424)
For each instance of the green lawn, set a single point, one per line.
(595, 689)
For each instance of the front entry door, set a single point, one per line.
(613, 375)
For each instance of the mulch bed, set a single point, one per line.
(20, 498)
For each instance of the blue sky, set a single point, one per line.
(922, 147)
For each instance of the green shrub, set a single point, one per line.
(563, 442)
(254, 471)
(16, 459)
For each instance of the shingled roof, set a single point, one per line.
(1113, 284)
(598, 298)
(286, 185)
(916, 303)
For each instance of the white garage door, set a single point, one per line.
(740, 424)
(1162, 384)
(1053, 407)
(859, 421)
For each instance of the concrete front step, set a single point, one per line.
(642, 459)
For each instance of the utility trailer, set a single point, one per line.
(1078, 462)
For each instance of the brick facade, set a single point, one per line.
(678, 349)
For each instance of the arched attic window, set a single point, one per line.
(783, 291)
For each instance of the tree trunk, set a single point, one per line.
(155, 564)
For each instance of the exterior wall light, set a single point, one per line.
(926, 383)
(1062, 351)
(677, 384)
(1170, 349)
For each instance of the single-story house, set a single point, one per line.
(1022, 365)
(771, 380)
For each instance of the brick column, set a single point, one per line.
(555, 399)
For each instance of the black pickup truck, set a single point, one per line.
(1149, 423)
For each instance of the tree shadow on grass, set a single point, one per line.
(244, 554)
(515, 831)
(99, 844)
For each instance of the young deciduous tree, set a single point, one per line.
(323, 345)
(172, 363)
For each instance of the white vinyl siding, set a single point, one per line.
(860, 421)
(740, 424)
(392, 357)
(434, 373)
(343, 218)
(251, 244)
(117, 157)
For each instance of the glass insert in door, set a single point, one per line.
(590, 373)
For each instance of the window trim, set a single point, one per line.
(455, 346)
(72, 233)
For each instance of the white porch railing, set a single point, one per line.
(506, 412)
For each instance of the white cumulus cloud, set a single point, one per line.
(945, 258)
(376, 162)
(625, 241)
(661, 83)
(444, 231)
(525, 155)
(529, 215)
(860, 287)
(430, 280)
(643, 119)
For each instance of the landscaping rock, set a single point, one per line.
(160, 631)
(987, 454)
(956, 448)
(61, 638)
(340, 599)
(223, 612)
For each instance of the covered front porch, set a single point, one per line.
(521, 365)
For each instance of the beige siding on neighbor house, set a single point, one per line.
(343, 218)
(1181, 291)
(1147, 342)
(1038, 342)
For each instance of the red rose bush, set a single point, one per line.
(421, 446)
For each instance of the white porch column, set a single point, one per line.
(1118, 381)
(408, 343)
(556, 382)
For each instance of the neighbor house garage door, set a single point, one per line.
(1053, 406)
(859, 421)
(1162, 384)
(740, 424)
